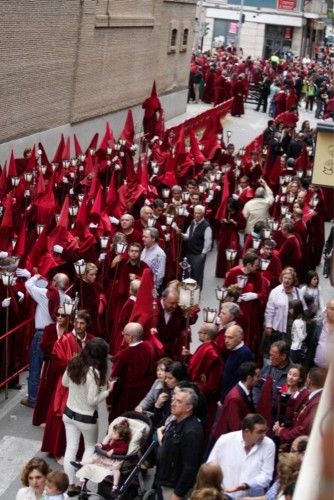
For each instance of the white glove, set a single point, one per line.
(248, 296)
(20, 296)
(209, 198)
(23, 273)
(167, 237)
(218, 188)
(113, 220)
(3, 255)
(147, 202)
(164, 228)
(65, 180)
(58, 248)
(6, 302)
(186, 213)
(81, 168)
(235, 196)
(72, 175)
(102, 256)
(71, 191)
(117, 166)
(175, 226)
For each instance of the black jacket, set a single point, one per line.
(179, 455)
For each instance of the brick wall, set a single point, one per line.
(65, 61)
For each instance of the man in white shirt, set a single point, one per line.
(257, 209)
(153, 254)
(199, 242)
(43, 297)
(246, 457)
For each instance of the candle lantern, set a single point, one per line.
(151, 222)
(256, 244)
(231, 254)
(104, 240)
(80, 267)
(15, 181)
(264, 264)
(169, 219)
(121, 247)
(165, 192)
(73, 210)
(209, 315)
(267, 233)
(189, 295)
(242, 280)
(39, 228)
(185, 196)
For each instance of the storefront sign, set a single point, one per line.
(323, 170)
(286, 4)
(287, 32)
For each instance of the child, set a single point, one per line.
(312, 289)
(56, 485)
(118, 445)
(298, 331)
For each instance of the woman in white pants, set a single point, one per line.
(84, 377)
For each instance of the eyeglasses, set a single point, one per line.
(59, 315)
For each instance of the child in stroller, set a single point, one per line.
(139, 448)
(118, 445)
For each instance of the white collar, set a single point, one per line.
(244, 388)
(313, 393)
(135, 343)
(79, 338)
(242, 343)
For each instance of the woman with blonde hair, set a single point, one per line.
(287, 472)
(209, 477)
(277, 317)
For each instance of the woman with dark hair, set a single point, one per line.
(174, 373)
(292, 395)
(312, 289)
(84, 377)
(33, 477)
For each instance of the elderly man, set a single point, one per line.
(238, 353)
(47, 301)
(134, 368)
(228, 316)
(180, 452)
(199, 241)
(153, 254)
(247, 458)
(171, 323)
(205, 367)
(127, 228)
(257, 209)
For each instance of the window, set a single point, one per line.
(185, 37)
(173, 37)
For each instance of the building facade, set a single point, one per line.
(269, 26)
(68, 65)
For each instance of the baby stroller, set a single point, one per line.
(133, 468)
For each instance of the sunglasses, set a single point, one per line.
(59, 315)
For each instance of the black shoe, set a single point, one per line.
(76, 465)
(74, 493)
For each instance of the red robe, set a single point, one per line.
(54, 440)
(251, 310)
(238, 90)
(303, 421)
(228, 237)
(273, 271)
(290, 253)
(231, 414)
(171, 334)
(116, 339)
(135, 368)
(94, 302)
(206, 369)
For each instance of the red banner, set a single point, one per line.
(286, 4)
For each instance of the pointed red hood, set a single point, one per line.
(77, 147)
(108, 139)
(128, 132)
(59, 152)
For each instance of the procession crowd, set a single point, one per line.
(104, 253)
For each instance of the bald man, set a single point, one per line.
(206, 367)
(134, 368)
(237, 353)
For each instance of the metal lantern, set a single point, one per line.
(80, 267)
(225, 169)
(221, 293)
(165, 192)
(266, 233)
(82, 157)
(231, 254)
(189, 295)
(74, 162)
(69, 306)
(309, 172)
(15, 181)
(288, 178)
(28, 176)
(151, 222)
(281, 179)
(256, 244)
(121, 247)
(7, 278)
(242, 280)
(109, 150)
(275, 225)
(185, 196)
(104, 240)
(73, 210)
(284, 189)
(155, 167)
(284, 210)
(299, 173)
(291, 198)
(218, 175)
(180, 210)
(314, 201)
(186, 267)
(209, 315)
(169, 219)
(264, 263)
(201, 188)
(212, 177)
(57, 217)
(43, 169)
(39, 228)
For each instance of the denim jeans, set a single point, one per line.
(36, 361)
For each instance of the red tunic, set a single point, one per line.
(93, 301)
(54, 440)
(251, 309)
(231, 414)
(238, 101)
(135, 368)
(273, 271)
(303, 421)
(290, 253)
(228, 237)
(171, 334)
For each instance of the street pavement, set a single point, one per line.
(19, 440)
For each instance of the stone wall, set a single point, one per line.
(68, 61)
